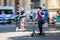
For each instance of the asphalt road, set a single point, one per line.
(7, 32)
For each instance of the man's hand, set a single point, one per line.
(42, 18)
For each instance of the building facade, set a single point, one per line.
(27, 4)
(51, 5)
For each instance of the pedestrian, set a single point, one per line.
(3, 15)
(17, 19)
(58, 17)
(22, 16)
(46, 15)
(53, 19)
(31, 17)
(40, 18)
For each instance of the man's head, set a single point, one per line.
(58, 11)
(40, 8)
(21, 8)
(2, 11)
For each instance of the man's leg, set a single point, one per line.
(3, 21)
(16, 25)
(40, 27)
(16, 22)
(19, 24)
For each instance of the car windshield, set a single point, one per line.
(6, 11)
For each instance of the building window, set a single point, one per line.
(9, 2)
(35, 3)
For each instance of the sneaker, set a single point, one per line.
(24, 29)
(20, 29)
(16, 28)
(43, 34)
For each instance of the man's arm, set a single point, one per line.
(42, 15)
(36, 17)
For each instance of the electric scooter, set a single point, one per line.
(33, 32)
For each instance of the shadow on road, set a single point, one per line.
(55, 36)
